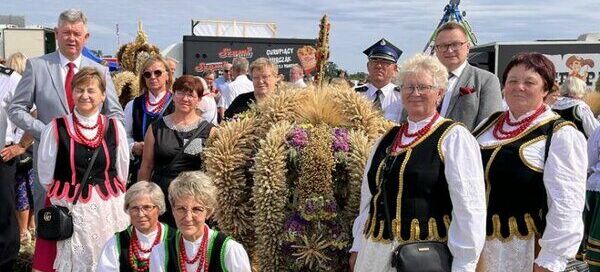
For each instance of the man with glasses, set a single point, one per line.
(473, 94)
(382, 67)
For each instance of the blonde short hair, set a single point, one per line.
(424, 63)
(264, 63)
(573, 87)
(17, 62)
(194, 184)
(152, 60)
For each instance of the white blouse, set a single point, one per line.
(589, 122)
(464, 173)
(564, 174)
(593, 148)
(236, 258)
(48, 147)
(109, 259)
(129, 115)
(208, 109)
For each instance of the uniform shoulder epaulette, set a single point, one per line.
(5, 70)
(397, 89)
(361, 89)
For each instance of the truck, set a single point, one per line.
(33, 41)
(579, 58)
(201, 53)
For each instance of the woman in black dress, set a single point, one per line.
(174, 143)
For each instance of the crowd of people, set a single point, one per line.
(496, 175)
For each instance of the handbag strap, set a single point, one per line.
(200, 129)
(86, 175)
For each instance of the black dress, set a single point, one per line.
(168, 141)
(240, 104)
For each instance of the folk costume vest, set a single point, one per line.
(417, 191)
(515, 192)
(570, 114)
(216, 252)
(124, 237)
(142, 118)
(72, 160)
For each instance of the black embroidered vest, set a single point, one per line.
(140, 125)
(72, 160)
(123, 239)
(417, 192)
(216, 251)
(570, 114)
(515, 191)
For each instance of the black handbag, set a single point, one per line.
(55, 223)
(420, 256)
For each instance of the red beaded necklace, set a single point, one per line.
(403, 132)
(200, 256)
(501, 134)
(158, 105)
(95, 141)
(135, 248)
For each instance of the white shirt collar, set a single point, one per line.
(458, 71)
(527, 114)
(566, 102)
(87, 121)
(414, 126)
(154, 99)
(64, 61)
(146, 238)
(385, 90)
(244, 77)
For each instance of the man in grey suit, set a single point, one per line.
(46, 84)
(473, 94)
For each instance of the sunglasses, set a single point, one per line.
(157, 73)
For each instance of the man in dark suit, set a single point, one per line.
(473, 94)
(46, 83)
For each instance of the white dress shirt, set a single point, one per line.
(8, 131)
(236, 258)
(48, 148)
(65, 68)
(564, 174)
(466, 235)
(230, 91)
(299, 83)
(129, 115)
(451, 84)
(593, 148)
(583, 111)
(391, 101)
(109, 259)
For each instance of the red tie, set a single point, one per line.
(68, 89)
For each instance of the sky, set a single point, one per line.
(355, 24)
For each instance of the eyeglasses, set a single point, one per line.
(382, 62)
(144, 208)
(182, 94)
(225, 71)
(157, 73)
(262, 78)
(423, 89)
(196, 211)
(454, 46)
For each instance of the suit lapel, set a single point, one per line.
(55, 74)
(462, 81)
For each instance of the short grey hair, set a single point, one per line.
(573, 87)
(240, 65)
(424, 63)
(149, 189)
(194, 184)
(264, 63)
(72, 16)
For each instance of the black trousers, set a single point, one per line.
(9, 228)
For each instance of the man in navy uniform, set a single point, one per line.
(382, 68)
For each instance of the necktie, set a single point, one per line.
(377, 101)
(68, 90)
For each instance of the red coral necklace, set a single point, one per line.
(159, 105)
(501, 134)
(135, 248)
(200, 256)
(95, 141)
(403, 132)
